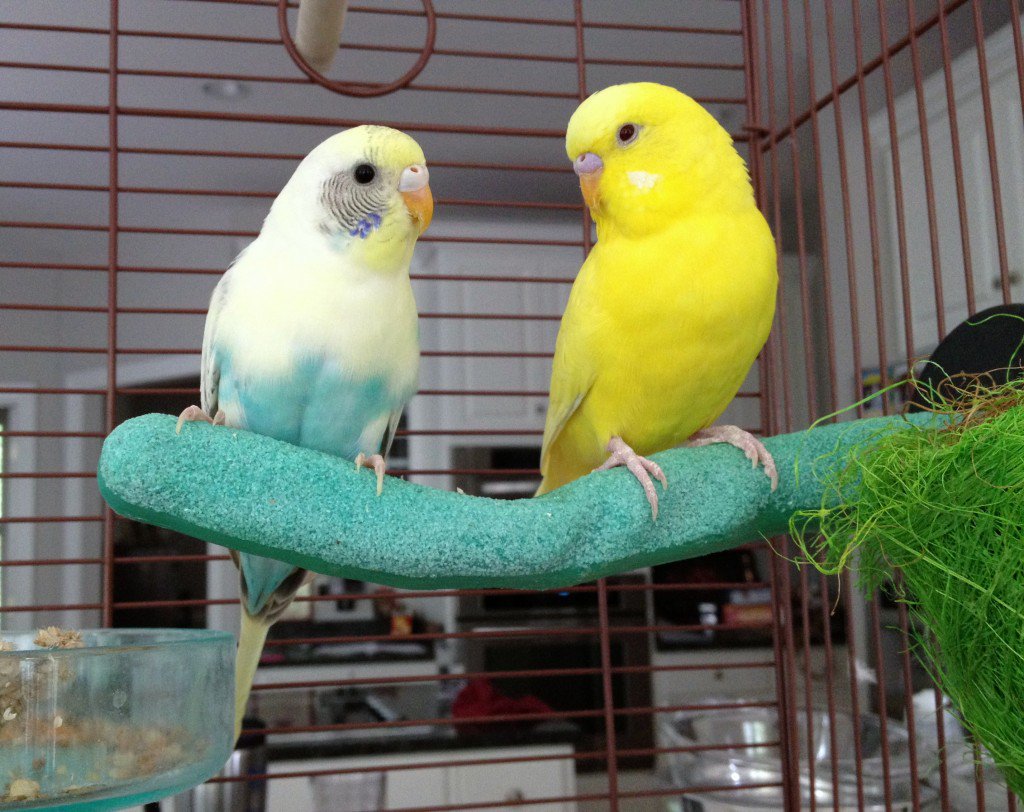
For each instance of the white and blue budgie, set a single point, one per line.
(312, 337)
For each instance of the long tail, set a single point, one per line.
(250, 645)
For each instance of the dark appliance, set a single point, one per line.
(557, 609)
(565, 610)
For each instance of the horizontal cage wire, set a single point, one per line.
(142, 143)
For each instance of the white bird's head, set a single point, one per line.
(365, 190)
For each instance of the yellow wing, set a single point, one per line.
(573, 373)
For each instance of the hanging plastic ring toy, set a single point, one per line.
(348, 89)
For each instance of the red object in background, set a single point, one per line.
(481, 698)
(756, 614)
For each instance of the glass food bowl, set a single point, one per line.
(129, 716)
(749, 754)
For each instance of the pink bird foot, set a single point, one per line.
(743, 440)
(640, 467)
(376, 462)
(195, 414)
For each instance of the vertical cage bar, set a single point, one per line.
(883, 357)
(112, 263)
(993, 162)
(581, 86)
(1000, 229)
(872, 212)
(979, 779)
(755, 158)
(805, 625)
(830, 342)
(782, 621)
(845, 582)
(847, 206)
(897, 180)
(929, 180)
(826, 270)
(961, 199)
(608, 693)
(901, 230)
(798, 199)
(778, 336)
(810, 380)
(1018, 53)
(965, 247)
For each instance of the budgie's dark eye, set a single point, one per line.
(627, 132)
(364, 173)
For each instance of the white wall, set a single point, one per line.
(1009, 132)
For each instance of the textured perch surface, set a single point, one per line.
(259, 495)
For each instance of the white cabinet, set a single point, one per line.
(446, 783)
(465, 346)
(520, 781)
(403, 789)
(494, 318)
(723, 680)
(688, 684)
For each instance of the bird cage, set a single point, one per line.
(142, 142)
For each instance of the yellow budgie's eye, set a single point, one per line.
(627, 134)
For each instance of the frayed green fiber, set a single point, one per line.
(945, 507)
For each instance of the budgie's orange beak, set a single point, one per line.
(588, 167)
(414, 186)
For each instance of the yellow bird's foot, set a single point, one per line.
(376, 462)
(743, 440)
(640, 467)
(194, 414)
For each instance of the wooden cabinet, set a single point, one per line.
(446, 783)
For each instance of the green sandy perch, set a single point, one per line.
(259, 495)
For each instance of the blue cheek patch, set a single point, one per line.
(365, 227)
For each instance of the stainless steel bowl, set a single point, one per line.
(752, 756)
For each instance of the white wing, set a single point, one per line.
(209, 374)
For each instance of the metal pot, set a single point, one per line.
(249, 758)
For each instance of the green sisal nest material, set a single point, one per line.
(945, 507)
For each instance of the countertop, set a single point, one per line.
(416, 738)
(383, 720)
(293, 642)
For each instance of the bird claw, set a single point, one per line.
(752, 448)
(195, 414)
(376, 462)
(640, 467)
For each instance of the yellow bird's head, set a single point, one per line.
(647, 154)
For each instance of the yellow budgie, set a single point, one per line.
(674, 302)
